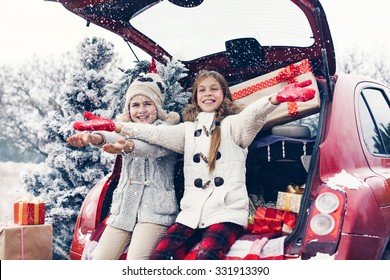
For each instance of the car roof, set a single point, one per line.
(240, 39)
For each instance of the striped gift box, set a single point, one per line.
(29, 212)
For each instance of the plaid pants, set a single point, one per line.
(214, 241)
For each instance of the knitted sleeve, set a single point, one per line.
(108, 137)
(141, 148)
(246, 125)
(144, 149)
(168, 136)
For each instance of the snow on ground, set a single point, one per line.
(10, 186)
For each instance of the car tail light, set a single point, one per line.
(325, 220)
(322, 224)
(327, 202)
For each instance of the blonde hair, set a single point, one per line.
(228, 107)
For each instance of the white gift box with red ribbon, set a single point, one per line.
(249, 91)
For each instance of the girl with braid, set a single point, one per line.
(214, 138)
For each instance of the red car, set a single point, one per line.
(338, 156)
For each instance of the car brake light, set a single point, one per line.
(327, 202)
(322, 224)
(325, 219)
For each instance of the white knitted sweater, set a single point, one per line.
(145, 191)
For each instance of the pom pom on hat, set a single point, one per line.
(153, 67)
(172, 118)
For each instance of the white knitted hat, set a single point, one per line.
(150, 85)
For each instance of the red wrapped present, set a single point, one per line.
(272, 220)
(20, 242)
(29, 212)
(247, 92)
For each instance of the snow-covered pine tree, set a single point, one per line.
(176, 97)
(117, 99)
(72, 172)
(33, 83)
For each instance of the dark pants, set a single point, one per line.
(214, 241)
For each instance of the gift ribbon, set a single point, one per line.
(22, 243)
(292, 109)
(20, 215)
(21, 238)
(20, 209)
(287, 201)
(288, 74)
(36, 212)
(294, 189)
(286, 205)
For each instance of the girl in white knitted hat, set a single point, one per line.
(144, 202)
(214, 139)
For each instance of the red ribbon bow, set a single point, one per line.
(288, 74)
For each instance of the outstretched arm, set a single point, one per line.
(82, 139)
(170, 137)
(248, 123)
(137, 148)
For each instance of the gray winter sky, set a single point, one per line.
(39, 27)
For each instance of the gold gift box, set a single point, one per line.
(288, 201)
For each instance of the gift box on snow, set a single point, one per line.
(288, 201)
(26, 242)
(29, 212)
(249, 91)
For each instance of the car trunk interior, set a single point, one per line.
(277, 160)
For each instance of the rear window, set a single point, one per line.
(190, 33)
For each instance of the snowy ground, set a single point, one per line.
(10, 186)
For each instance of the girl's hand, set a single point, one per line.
(296, 92)
(80, 139)
(120, 147)
(94, 123)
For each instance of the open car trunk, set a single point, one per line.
(253, 44)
